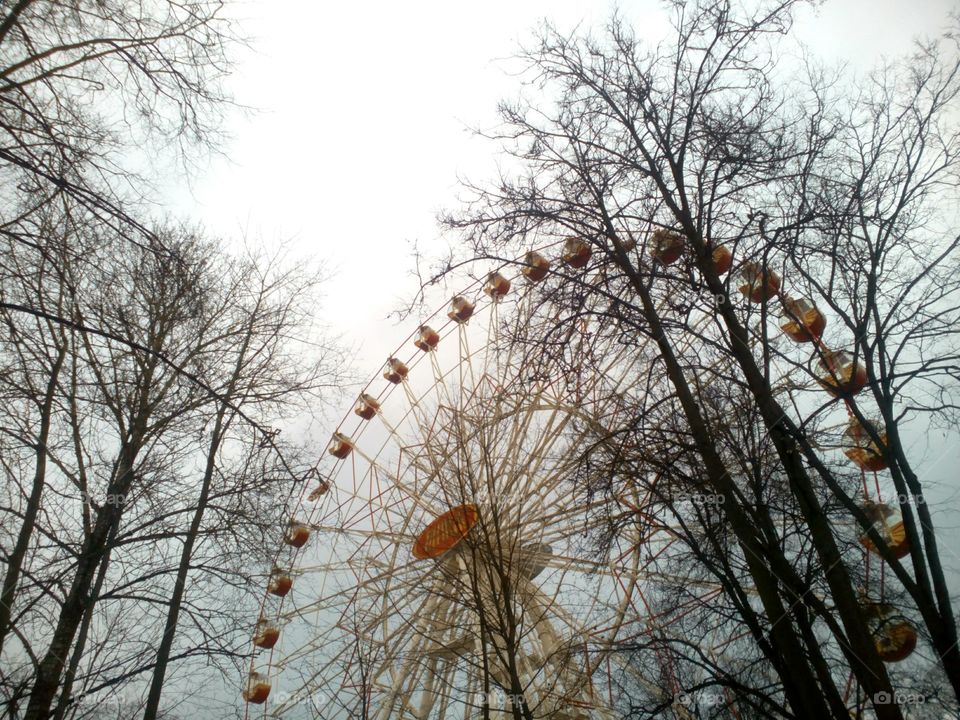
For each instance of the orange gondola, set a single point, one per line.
(666, 246)
(840, 375)
(297, 534)
(258, 688)
(396, 371)
(497, 286)
(266, 634)
(889, 525)
(461, 309)
(893, 635)
(366, 407)
(280, 582)
(576, 252)
(801, 321)
(536, 266)
(861, 448)
(722, 259)
(428, 338)
(753, 287)
(322, 488)
(340, 446)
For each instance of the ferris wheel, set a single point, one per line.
(442, 564)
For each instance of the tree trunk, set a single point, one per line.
(179, 586)
(51, 667)
(64, 701)
(865, 663)
(799, 681)
(15, 561)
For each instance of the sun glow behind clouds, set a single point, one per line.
(360, 133)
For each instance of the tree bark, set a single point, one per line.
(50, 669)
(65, 699)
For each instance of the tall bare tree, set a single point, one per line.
(195, 357)
(253, 373)
(653, 159)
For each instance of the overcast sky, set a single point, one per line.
(360, 133)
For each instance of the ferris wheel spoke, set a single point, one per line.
(407, 672)
(467, 375)
(519, 453)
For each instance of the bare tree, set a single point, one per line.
(263, 377)
(120, 536)
(31, 381)
(697, 168)
(83, 85)
(123, 345)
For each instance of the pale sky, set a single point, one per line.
(360, 136)
(361, 131)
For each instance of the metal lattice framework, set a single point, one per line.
(521, 610)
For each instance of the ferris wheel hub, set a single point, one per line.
(446, 531)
